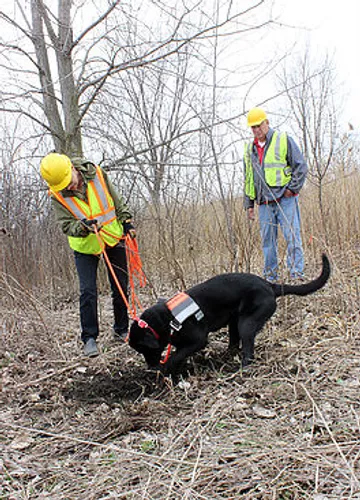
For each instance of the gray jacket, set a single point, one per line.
(264, 192)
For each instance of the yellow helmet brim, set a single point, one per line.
(62, 185)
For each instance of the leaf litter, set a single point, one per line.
(288, 428)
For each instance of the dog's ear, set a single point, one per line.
(142, 337)
(149, 341)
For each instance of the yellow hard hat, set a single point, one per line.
(255, 117)
(56, 170)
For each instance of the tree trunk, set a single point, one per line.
(67, 137)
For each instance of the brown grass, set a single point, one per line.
(289, 428)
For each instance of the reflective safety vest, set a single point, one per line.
(100, 206)
(277, 172)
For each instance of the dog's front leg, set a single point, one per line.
(177, 359)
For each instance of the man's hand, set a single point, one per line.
(288, 193)
(90, 224)
(251, 213)
(129, 229)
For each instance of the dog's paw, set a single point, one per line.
(247, 365)
(245, 368)
(231, 354)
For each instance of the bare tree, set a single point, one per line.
(56, 105)
(310, 91)
(145, 125)
(347, 155)
(110, 76)
(74, 60)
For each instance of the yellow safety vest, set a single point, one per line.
(277, 172)
(101, 207)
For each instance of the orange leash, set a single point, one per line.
(134, 269)
(167, 355)
(135, 272)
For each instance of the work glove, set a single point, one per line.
(89, 225)
(129, 229)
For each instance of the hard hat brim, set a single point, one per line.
(256, 116)
(255, 123)
(65, 182)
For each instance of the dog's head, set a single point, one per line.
(144, 341)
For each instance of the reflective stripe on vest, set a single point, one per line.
(276, 170)
(101, 207)
(249, 174)
(182, 306)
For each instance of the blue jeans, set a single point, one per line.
(86, 266)
(285, 214)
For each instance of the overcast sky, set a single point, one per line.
(329, 25)
(333, 25)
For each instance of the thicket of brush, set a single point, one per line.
(181, 242)
(79, 429)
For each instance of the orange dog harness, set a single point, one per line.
(182, 306)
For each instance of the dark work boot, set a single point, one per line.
(120, 336)
(90, 348)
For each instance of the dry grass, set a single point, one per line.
(289, 428)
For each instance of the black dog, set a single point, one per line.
(242, 301)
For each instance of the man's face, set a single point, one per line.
(261, 130)
(75, 180)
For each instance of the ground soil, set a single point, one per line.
(288, 428)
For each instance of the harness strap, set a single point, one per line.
(143, 324)
(182, 306)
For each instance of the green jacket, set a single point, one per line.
(68, 223)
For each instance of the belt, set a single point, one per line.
(268, 202)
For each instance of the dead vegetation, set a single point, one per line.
(288, 428)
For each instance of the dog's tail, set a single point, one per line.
(306, 288)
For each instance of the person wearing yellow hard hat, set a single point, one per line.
(56, 170)
(275, 171)
(84, 198)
